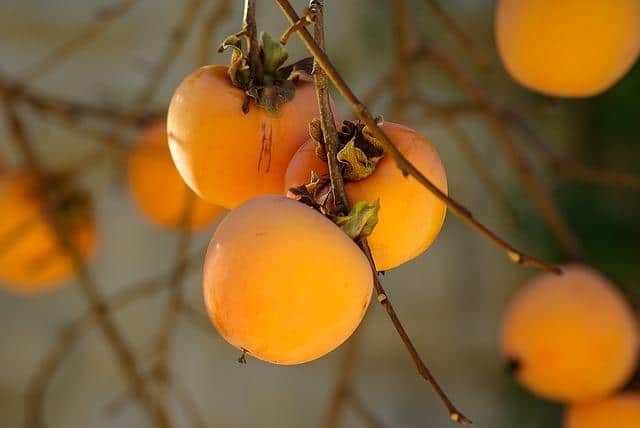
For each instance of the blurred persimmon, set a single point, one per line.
(31, 257)
(568, 48)
(571, 337)
(619, 411)
(158, 189)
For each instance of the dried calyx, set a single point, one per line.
(71, 205)
(358, 151)
(358, 154)
(270, 83)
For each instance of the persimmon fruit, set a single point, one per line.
(283, 282)
(571, 337)
(158, 189)
(31, 257)
(410, 217)
(225, 155)
(568, 48)
(619, 411)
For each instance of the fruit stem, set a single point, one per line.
(330, 135)
(250, 29)
(327, 119)
(403, 164)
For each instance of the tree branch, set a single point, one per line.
(362, 112)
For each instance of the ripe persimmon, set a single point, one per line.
(568, 48)
(283, 282)
(157, 187)
(31, 258)
(571, 337)
(225, 155)
(619, 411)
(410, 217)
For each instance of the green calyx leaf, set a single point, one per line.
(271, 84)
(273, 53)
(361, 221)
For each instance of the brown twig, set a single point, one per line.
(69, 109)
(458, 34)
(217, 14)
(179, 36)
(521, 164)
(403, 49)
(337, 184)
(463, 141)
(84, 36)
(361, 110)
(359, 407)
(341, 390)
(174, 306)
(569, 167)
(91, 292)
(70, 335)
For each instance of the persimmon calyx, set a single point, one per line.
(316, 194)
(359, 151)
(272, 84)
(361, 220)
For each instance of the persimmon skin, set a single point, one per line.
(410, 217)
(31, 258)
(283, 282)
(619, 411)
(573, 336)
(568, 48)
(225, 155)
(158, 189)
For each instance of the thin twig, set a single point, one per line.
(69, 109)
(84, 36)
(569, 167)
(341, 390)
(174, 306)
(217, 14)
(522, 165)
(179, 36)
(458, 34)
(359, 407)
(407, 167)
(402, 31)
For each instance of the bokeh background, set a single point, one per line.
(451, 299)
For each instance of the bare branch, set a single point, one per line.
(88, 33)
(361, 110)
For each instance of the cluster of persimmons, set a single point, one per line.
(573, 338)
(284, 280)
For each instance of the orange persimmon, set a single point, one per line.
(571, 337)
(568, 48)
(410, 217)
(158, 189)
(283, 282)
(225, 155)
(31, 258)
(619, 411)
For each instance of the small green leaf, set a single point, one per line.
(361, 221)
(274, 54)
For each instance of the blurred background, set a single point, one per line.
(450, 300)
